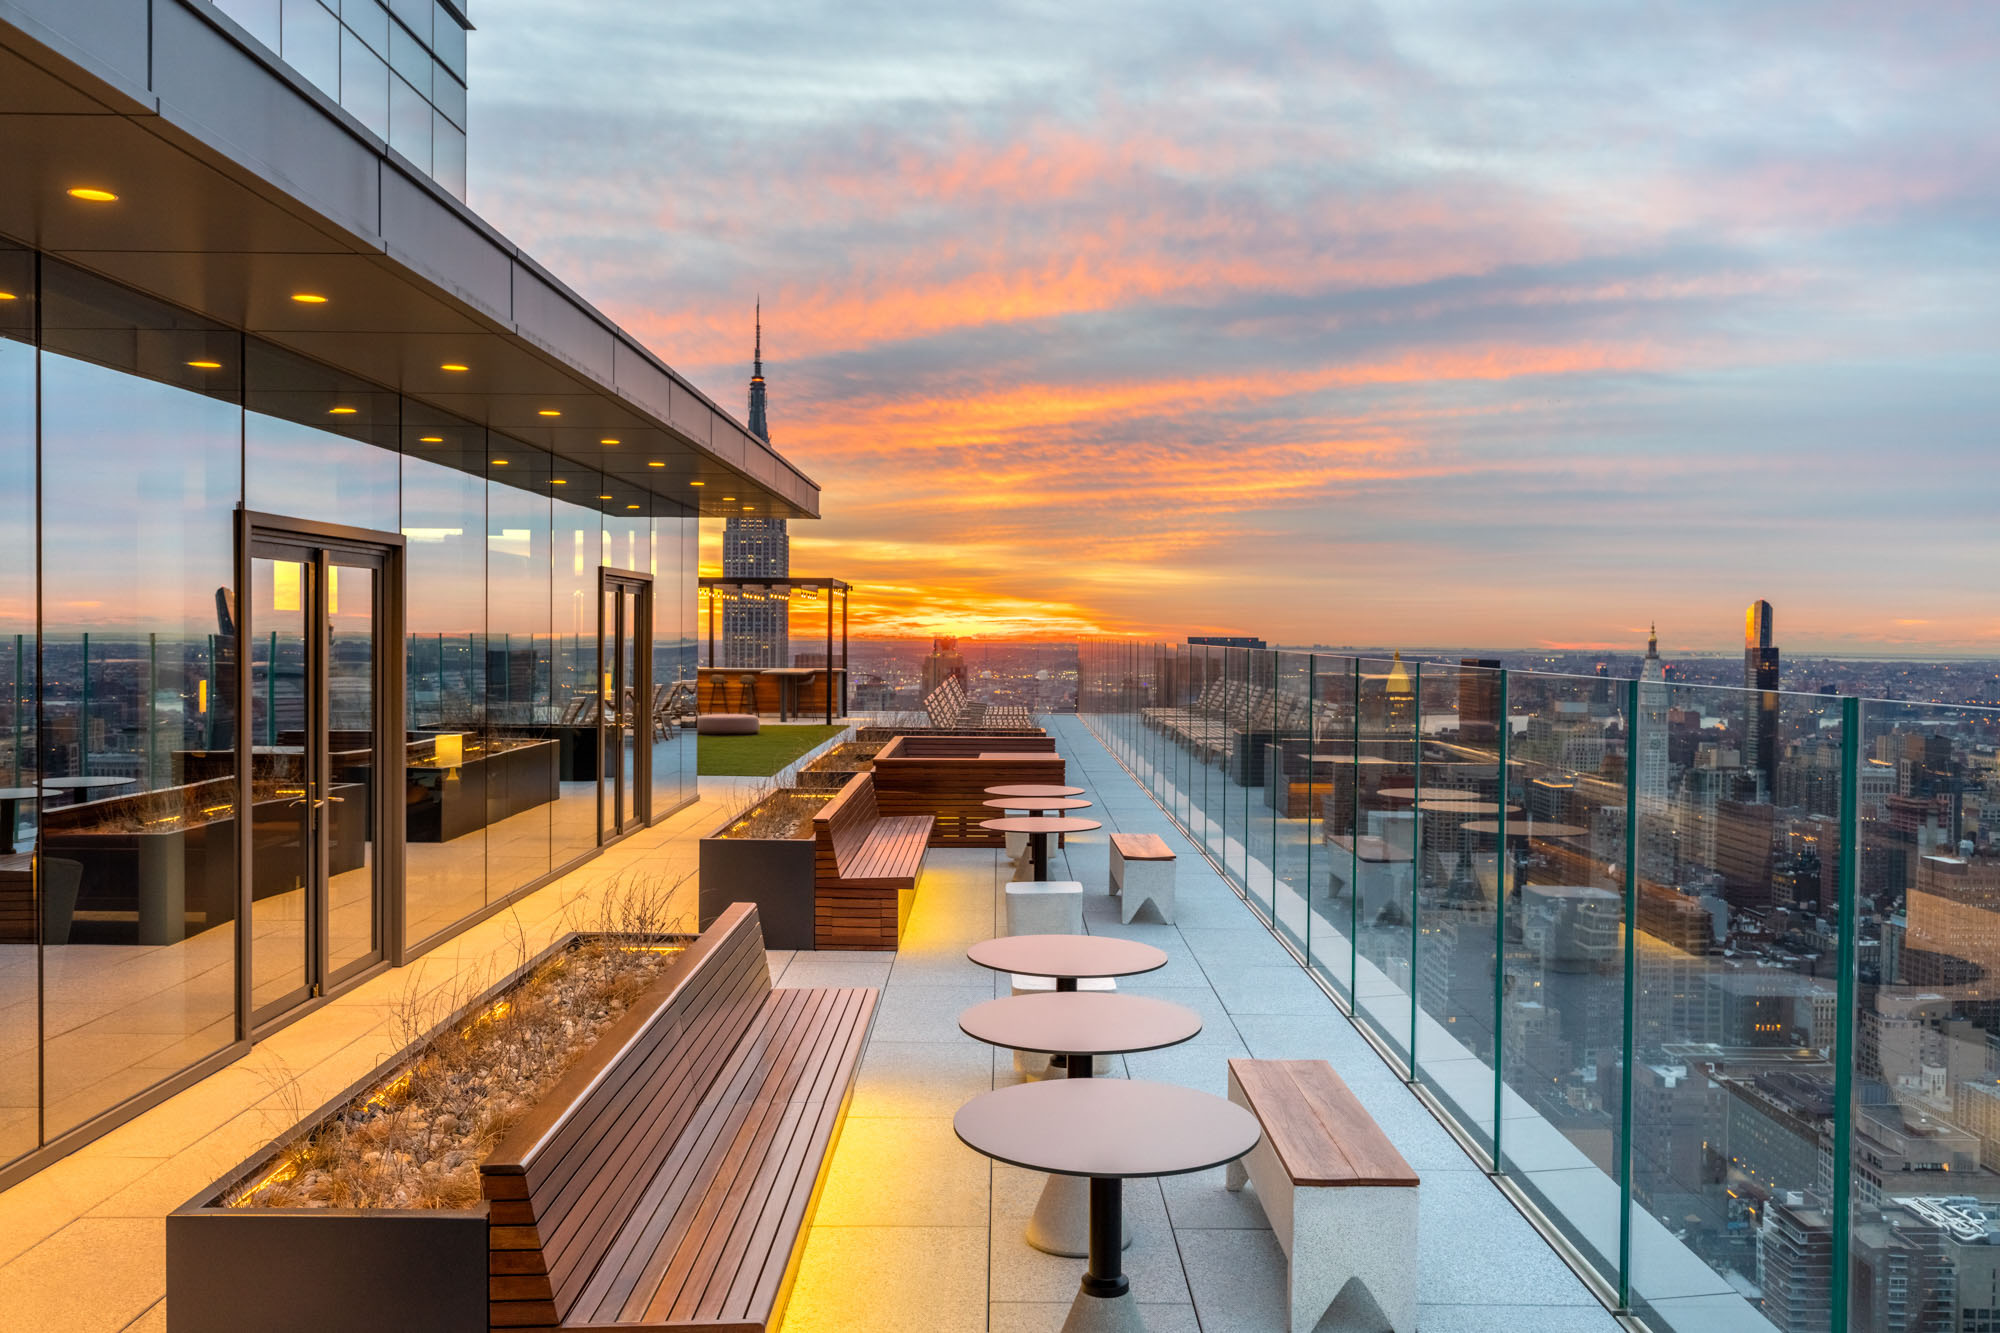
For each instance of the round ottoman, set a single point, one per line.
(726, 724)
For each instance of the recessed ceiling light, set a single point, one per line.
(340, 411)
(453, 366)
(727, 498)
(656, 464)
(90, 194)
(499, 462)
(607, 442)
(748, 508)
(604, 497)
(631, 506)
(558, 481)
(548, 412)
(308, 298)
(205, 365)
(697, 483)
(430, 439)
(8, 296)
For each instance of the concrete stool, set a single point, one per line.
(1036, 1064)
(1142, 871)
(726, 724)
(1045, 907)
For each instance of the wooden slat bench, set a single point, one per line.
(666, 1181)
(865, 867)
(1341, 1199)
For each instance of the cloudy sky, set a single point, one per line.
(1440, 322)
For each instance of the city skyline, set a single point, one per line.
(1516, 327)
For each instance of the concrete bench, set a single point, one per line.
(1142, 871)
(1341, 1199)
(1045, 907)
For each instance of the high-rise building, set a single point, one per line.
(1651, 748)
(1760, 673)
(756, 622)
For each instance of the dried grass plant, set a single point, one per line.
(777, 812)
(416, 1139)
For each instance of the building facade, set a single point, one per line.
(345, 556)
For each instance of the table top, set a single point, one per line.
(1471, 805)
(1429, 794)
(1109, 1128)
(79, 784)
(1526, 828)
(1038, 803)
(1068, 956)
(17, 863)
(1040, 824)
(18, 793)
(1031, 789)
(1080, 1023)
(793, 671)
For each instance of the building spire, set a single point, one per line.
(1653, 642)
(758, 425)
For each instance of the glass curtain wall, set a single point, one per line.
(119, 894)
(141, 404)
(20, 767)
(1706, 973)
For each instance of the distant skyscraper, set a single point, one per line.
(1652, 740)
(1760, 673)
(756, 625)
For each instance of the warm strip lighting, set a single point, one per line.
(308, 298)
(557, 481)
(748, 508)
(604, 497)
(205, 365)
(727, 499)
(548, 412)
(499, 462)
(90, 194)
(656, 465)
(453, 366)
(631, 506)
(430, 439)
(697, 483)
(8, 296)
(607, 441)
(340, 411)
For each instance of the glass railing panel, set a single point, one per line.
(1924, 1108)
(1282, 826)
(1735, 1057)
(1332, 799)
(1461, 825)
(1382, 849)
(1561, 1020)
(1228, 673)
(1248, 710)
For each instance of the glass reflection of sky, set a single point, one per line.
(137, 503)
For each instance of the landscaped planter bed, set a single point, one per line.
(830, 771)
(764, 855)
(368, 1214)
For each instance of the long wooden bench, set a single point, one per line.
(666, 1181)
(946, 777)
(865, 867)
(1341, 1199)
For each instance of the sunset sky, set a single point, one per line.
(1457, 324)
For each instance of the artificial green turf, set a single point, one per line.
(761, 755)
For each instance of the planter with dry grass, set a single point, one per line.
(368, 1212)
(763, 854)
(830, 771)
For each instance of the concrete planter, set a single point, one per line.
(330, 1270)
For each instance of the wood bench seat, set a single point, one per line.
(1142, 847)
(865, 868)
(1338, 1194)
(666, 1181)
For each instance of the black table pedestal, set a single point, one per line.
(1104, 1302)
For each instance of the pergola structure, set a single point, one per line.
(716, 590)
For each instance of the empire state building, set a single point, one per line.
(755, 623)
